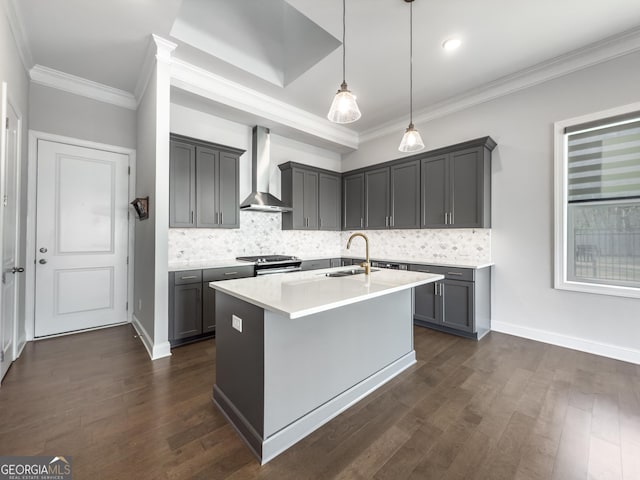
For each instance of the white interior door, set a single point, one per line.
(81, 238)
(9, 206)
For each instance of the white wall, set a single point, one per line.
(524, 301)
(12, 71)
(63, 113)
(145, 240)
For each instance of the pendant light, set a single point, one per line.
(344, 108)
(411, 141)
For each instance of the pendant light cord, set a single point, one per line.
(344, 48)
(411, 63)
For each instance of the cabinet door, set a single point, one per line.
(353, 201)
(405, 195)
(427, 306)
(182, 186)
(228, 181)
(466, 184)
(458, 305)
(187, 310)
(376, 205)
(206, 189)
(435, 191)
(208, 309)
(310, 200)
(329, 202)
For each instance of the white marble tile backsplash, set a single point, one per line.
(260, 233)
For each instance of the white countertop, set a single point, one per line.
(300, 294)
(178, 266)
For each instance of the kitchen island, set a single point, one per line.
(294, 350)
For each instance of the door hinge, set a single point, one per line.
(127, 306)
(127, 259)
(128, 170)
(5, 201)
(6, 123)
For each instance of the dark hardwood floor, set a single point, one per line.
(503, 407)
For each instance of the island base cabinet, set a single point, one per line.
(278, 379)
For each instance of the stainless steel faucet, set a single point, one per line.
(367, 263)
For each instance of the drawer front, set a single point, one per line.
(188, 276)
(450, 273)
(316, 264)
(228, 273)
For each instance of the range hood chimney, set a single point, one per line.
(260, 200)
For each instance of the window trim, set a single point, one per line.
(560, 206)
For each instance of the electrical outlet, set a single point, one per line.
(236, 322)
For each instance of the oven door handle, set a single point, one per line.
(267, 271)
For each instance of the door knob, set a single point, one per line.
(43, 250)
(17, 270)
(42, 261)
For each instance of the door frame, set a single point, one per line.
(17, 343)
(30, 299)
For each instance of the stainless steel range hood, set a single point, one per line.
(260, 200)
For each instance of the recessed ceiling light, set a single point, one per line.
(451, 43)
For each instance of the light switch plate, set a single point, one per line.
(236, 322)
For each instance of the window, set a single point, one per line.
(598, 203)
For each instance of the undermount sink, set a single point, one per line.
(348, 273)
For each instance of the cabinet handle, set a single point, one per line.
(230, 273)
(454, 273)
(445, 218)
(221, 218)
(191, 216)
(391, 221)
(361, 222)
(188, 277)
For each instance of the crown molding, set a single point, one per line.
(81, 86)
(218, 89)
(593, 54)
(17, 29)
(158, 49)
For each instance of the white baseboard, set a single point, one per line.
(154, 351)
(574, 343)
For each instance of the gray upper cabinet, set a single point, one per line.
(207, 161)
(404, 209)
(228, 201)
(314, 195)
(329, 201)
(376, 205)
(435, 200)
(456, 188)
(203, 184)
(182, 194)
(353, 201)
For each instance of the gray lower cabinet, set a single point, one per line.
(203, 184)
(192, 302)
(314, 195)
(460, 304)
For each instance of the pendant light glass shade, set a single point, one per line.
(411, 140)
(344, 108)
